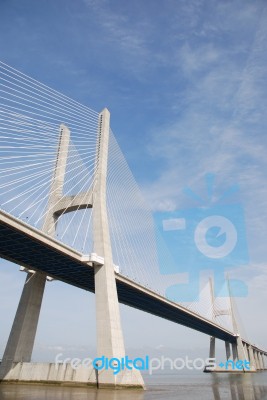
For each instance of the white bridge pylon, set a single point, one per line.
(239, 351)
(109, 332)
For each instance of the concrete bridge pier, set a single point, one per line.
(110, 341)
(212, 347)
(261, 360)
(234, 351)
(227, 350)
(21, 339)
(241, 351)
(251, 358)
(256, 359)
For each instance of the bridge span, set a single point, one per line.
(33, 249)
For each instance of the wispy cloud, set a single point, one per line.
(220, 126)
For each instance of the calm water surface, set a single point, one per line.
(186, 386)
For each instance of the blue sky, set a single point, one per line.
(185, 82)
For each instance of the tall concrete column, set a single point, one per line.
(21, 339)
(109, 332)
(234, 351)
(56, 190)
(261, 360)
(251, 358)
(227, 350)
(212, 347)
(256, 359)
(245, 349)
(240, 349)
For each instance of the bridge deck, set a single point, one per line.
(29, 247)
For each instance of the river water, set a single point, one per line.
(186, 386)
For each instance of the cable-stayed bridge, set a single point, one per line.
(71, 210)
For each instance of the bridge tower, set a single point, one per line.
(21, 339)
(240, 349)
(109, 332)
(110, 341)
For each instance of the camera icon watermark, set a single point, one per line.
(210, 236)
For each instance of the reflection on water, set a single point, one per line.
(43, 392)
(241, 387)
(160, 387)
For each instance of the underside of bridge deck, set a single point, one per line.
(29, 251)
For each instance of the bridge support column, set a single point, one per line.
(251, 358)
(245, 351)
(234, 351)
(227, 350)
(239, 351)
(257, 360)
(261, 360)
(110, 342)
(212, 347)
(21, 339)
(241, 355)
